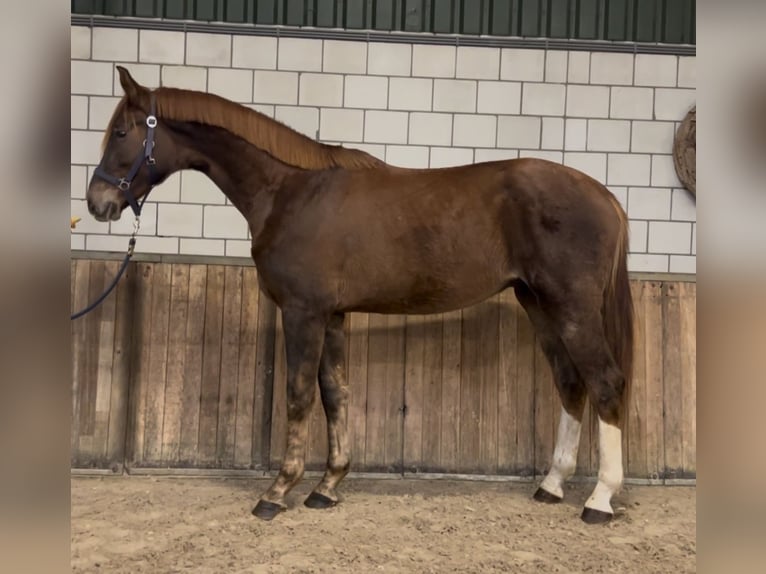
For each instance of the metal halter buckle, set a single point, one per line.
(151, 121)
(123, 184)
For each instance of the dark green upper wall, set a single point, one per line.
(663, 21)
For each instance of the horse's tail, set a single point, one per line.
(618, 305)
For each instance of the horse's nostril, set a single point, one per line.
(91, 209)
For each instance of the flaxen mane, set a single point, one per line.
(269, 135)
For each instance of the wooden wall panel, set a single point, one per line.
(100, 366)
(183, 367)
(201, 370)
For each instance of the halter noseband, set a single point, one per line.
(145, 155)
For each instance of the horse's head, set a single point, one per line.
(128, 167)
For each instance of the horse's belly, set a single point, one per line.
(421, 294)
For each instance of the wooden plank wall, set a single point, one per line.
(185, 368)
(101, 348)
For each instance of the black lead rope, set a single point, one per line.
(123, 184)
(122, 269)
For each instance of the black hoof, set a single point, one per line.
(316, 500)
(545, 496)
(266, 510)
(593, 516)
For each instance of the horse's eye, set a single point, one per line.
(121, 133)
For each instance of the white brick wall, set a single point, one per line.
(608, 135)
(543, 99)
(518, 132)
(232, 84)
(687, 72)
(407, 156)
(100, 111)
(162, 47)
(578, 67)
(321, 90)
(474, 131)
(79, 113)
(223, 221)
(499, 98)
(652, 137)
(648, 203)
(115, 44)
(208, 49)
(672, 104)
(612, 116)
(656, 70)
(304, 120)
(450, 156)
(410, 93)
(366, 92)
(344, 57)
(433, 61)
(197, 188)
(527, 65)
(594, 164)
(275, 87)
(185, 77)
(430, 129)
(553, 133)
(341, 125)
(587, 101)
(254, 52)
(611, 69)
(389, 59)
(80, 37)
(478, 63)
(179, 220)
(628, 169)
(556, 66)
(632, 103)
(385, 127)
(299, 55)
(454, 96)
(91, 78)
(576, 136)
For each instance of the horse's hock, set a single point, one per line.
(685, 152)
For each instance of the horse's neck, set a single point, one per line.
(245, 174)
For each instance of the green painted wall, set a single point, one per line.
(666, 21)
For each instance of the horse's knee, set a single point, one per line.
(299, 403)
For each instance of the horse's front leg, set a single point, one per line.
(333, 387)
(304, 338)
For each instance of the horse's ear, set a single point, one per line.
(136, 93)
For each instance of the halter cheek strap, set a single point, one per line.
(145, 156)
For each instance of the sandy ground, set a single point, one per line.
(165, 525)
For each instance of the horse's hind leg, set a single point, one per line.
(584, 337)
(334, 391)
(304, 337)
(571, 390)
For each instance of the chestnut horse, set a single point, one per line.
(335, 230)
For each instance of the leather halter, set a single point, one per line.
(144, 156)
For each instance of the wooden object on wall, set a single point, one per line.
(685, 152)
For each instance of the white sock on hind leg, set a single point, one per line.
(610, 468)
